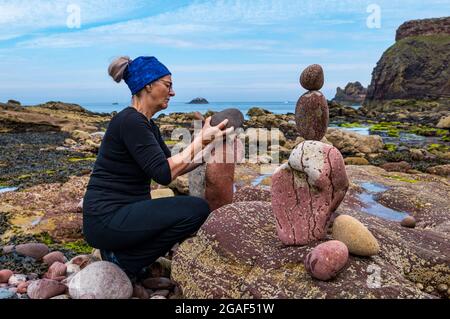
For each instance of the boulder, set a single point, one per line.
(55, 256)
(237, 254)
(444, 122)
(442, 170)
(350, 143)
(397, 167)
(101, 280)
(5, 274)
(306, 191)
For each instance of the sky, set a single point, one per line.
(224, 50)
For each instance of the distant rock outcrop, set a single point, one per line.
(353, 93)
(199, 100)
(423, 27)
(414, 68)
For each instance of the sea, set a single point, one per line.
(284, 107)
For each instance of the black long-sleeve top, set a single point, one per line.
(132, 153)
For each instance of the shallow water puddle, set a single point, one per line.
(372, 207)
(7, 189)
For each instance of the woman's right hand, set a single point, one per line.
(210, 133)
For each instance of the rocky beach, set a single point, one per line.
(380, 205)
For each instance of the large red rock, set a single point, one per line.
(306, 191)
(252, 193)
(214, 181)
(237, 254)
(312, 116)
(57, 271)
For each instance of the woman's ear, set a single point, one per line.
(148, 88)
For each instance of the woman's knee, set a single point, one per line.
(199, 207)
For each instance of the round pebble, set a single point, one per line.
(419, 286)
(34, 250)
(442, 287)
(409, 222)
(326, 260)
(358, 239)
(429, 289)
(5, 274)
(312, 78)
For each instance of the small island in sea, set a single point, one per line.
(199, 100)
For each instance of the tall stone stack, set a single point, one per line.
(214, 180)
(312, 184)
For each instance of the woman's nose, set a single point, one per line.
(172, 92)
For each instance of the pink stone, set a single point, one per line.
(22, 287)
(45, 289)
(306, 191)
(326, 260)
(55, 256)
(5, 274)
(34, 250)
(56, 271)
(312, 116)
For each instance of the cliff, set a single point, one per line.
(416, 67)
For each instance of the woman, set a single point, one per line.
(119, 218)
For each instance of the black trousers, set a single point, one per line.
(141, 232)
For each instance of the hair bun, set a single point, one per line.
(117, 68)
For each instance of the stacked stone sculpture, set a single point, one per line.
(310, 187)
(214, 180)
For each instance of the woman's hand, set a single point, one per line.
(210, 133)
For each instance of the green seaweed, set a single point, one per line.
(80, 159)
(390, 147)
(79, 246)
(403, 179)
(350, 125)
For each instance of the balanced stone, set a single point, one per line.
(312, 78)
(306, 191)
(358, 239)
(326, 260)
(234, 116)
(312, 116)
(214, 180)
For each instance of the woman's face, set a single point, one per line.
(162, 91)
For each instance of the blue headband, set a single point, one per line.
(142, 71)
